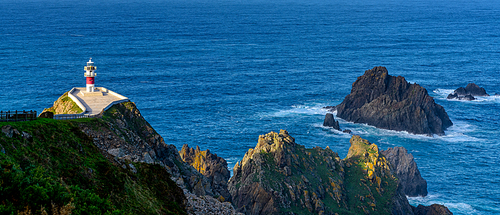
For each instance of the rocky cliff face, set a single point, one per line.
(64, 105)
(126, 135)
(279, 176)
(390, 102)
(406, 170)
(211, 166)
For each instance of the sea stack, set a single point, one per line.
(390, 102)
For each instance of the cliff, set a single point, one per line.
(64, 105)
(138, 172)
(48, 165)
(126, 135)
(279, 176)
(389, 102)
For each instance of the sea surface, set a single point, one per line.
(219, 73)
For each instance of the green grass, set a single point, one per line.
(61, 166)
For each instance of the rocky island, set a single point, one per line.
(117, 163)
(468, 92)
(389, 102)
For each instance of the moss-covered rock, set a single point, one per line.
(64, 105)
(211, 166)
(279, 176)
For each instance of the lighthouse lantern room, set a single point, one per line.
(90, 75)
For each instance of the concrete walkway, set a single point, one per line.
(94, 104)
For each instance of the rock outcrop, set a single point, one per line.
(468, 92)
(389, 102)
(211, 166)
(126, 135)
(279, 176)
(331, 122)
(406, 170)
(434, 209)
(202, 205)
(63, 105)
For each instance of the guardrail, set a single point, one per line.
(77, 101)
(15, 116)
(83, 115)
(74, 116)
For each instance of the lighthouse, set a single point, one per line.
(90, 75)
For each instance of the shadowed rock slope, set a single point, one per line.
(211, 166)
(407, 171)
(279, 176)
(390, 102)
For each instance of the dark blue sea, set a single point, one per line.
(219, 73)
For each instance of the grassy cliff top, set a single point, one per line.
(48, 165)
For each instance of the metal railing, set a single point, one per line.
(15, 116)
(73, 116)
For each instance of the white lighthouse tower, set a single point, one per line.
(90, 75)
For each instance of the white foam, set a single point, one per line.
(443, 94)
(454, 133)
(313, 109)
(336, 133)
(460, 207)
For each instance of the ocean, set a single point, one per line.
(220, 73)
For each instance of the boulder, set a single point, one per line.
(405, 168)
(10, 131)
(330, 122)
(434, 209)
(347, 131)
(474, 90)
(389, 102)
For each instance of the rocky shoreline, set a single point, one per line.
(278, 176)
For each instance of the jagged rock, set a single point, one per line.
(126, 135)
(474, 90)
(330, 122)
(347, 131)
(468, 92)
(377, 170)
(407, 171)
(211, 166)
(434, 209)
(390, 102)
(46, 114)
(279, 175)
(10, 132)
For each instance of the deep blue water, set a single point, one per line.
(219, 73)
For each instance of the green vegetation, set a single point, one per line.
(58, 170)
(64, 105)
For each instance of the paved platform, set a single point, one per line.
(94, 104)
